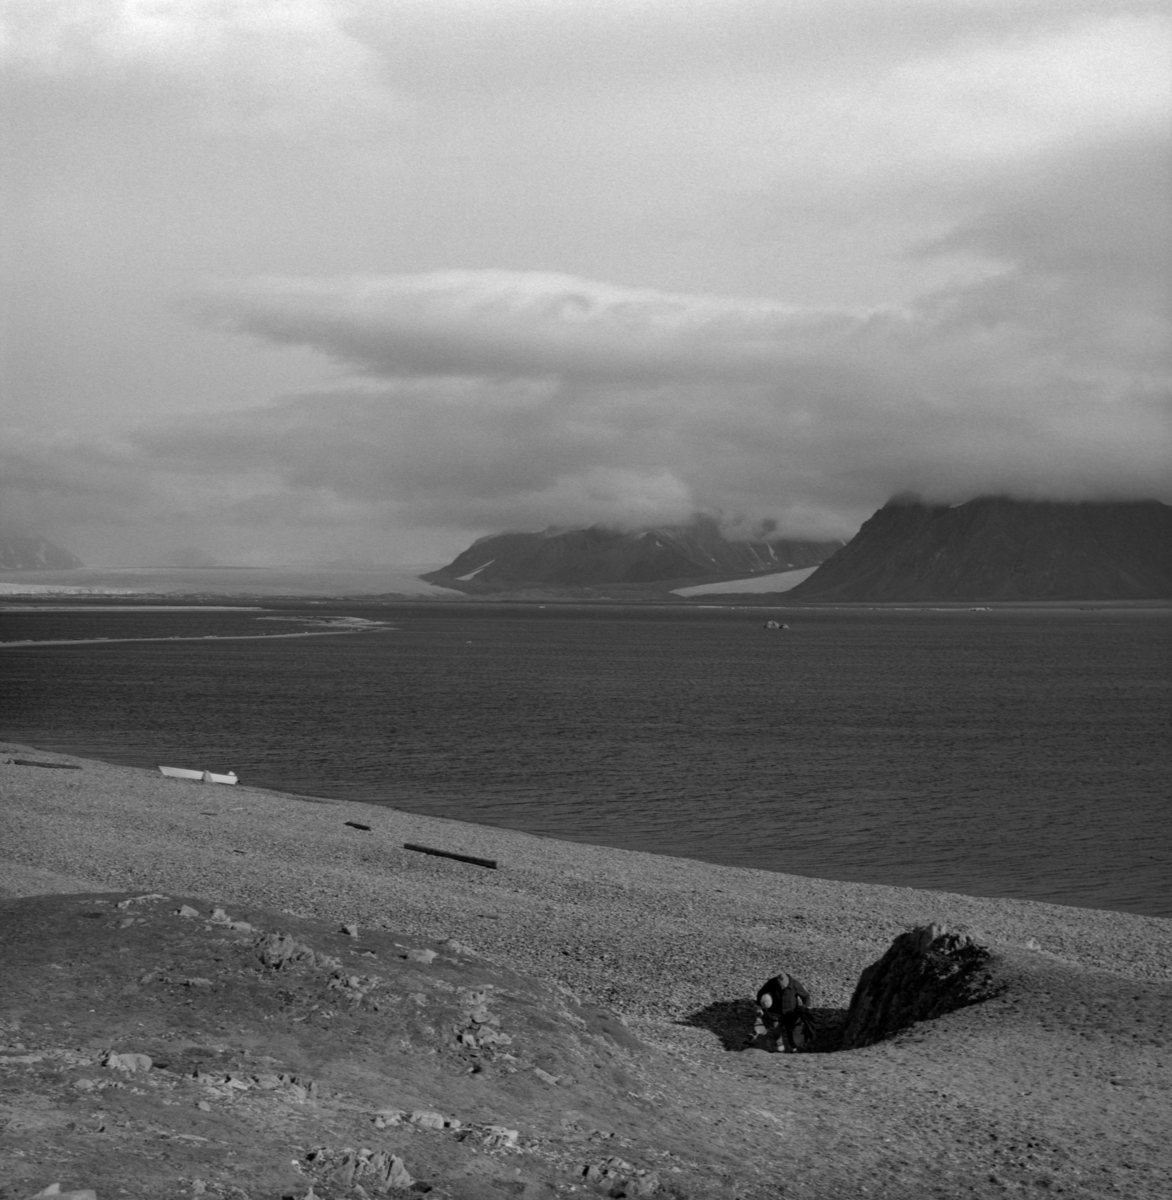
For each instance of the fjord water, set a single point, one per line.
(999, 753)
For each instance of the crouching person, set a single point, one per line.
(783, 1021)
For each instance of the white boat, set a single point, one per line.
(202, 776)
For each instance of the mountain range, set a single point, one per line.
(693, 552)
(992, 548)
(27, 552)
(997, 548)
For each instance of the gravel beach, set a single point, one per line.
(1061, 1081)
(650, 936)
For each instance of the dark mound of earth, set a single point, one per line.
(999, 549)
(695, 552)
(927, 972)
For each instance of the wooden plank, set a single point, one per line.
(468, 858)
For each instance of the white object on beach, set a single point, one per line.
(205, 776)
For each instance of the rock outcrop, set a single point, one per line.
(927, 972)
(24, 552)
(997, 548)
(696, 552)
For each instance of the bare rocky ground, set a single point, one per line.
(574, 1022)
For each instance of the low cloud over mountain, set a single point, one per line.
(758, 261)
(692, 552)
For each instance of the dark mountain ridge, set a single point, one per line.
(695, 552)
(997, 548)
(27, 552)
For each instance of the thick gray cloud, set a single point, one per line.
(520, 397)
(472, 266)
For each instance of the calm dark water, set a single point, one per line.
(1004, 753)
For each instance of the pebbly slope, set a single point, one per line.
(623, 984)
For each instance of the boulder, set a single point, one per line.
(927, 972)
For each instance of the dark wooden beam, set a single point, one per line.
(468, 858)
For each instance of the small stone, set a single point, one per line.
(458, 947)
(54, 1189)
(131, 1064)
(398, 1175)
(187, 911)
(350, 930)
(1033, 944)
(421, 956)
(279, 949)
(204, 1106)
(140, 899)
(426, 1119)
(545, 1076)
(198, 983)
(344, 1175)
(497, 1137)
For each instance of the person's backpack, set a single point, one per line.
(803, 1031)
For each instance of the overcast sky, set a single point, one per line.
(288, 280)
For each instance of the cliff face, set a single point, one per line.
(995, 548)
(588, 557)
(21, 552)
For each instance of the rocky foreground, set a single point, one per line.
(226, 992)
